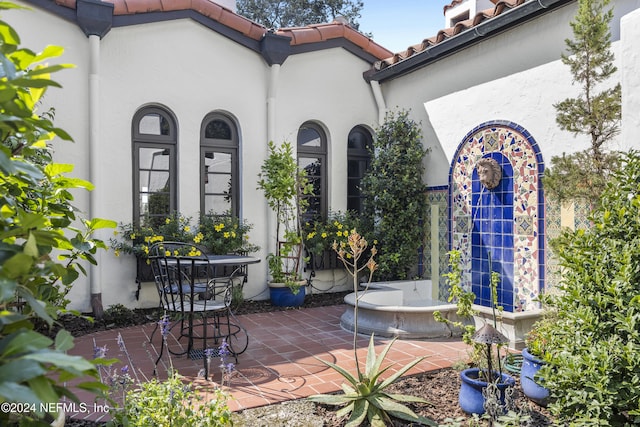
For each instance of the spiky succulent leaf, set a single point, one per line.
(371, 359)
(405, 398)
(346, 410)
(375, 386)
(398, 410)
(348, 390)
(360, 409)
(331, 399)
(398, 374)
(372, 370)
(376, 417)
(341, 371)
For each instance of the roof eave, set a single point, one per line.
(476, 34)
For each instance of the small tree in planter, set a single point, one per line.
(284, 184)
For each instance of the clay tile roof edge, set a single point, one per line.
(500, 7)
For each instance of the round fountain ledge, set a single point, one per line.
(402, 310)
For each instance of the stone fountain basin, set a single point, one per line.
(399, 309)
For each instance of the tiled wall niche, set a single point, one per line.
(506, 222)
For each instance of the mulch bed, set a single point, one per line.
(440, 388)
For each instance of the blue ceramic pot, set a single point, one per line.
(471, 399)
(281, 296)
(530, 367)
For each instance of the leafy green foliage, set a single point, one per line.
(171, 402)
(593, 113)
(43, 244)
(364, 396)
(593, 368)
(299, 13)
(216, 234)
(285, 186)
(463, 299)
(394, 191)
(320, 235)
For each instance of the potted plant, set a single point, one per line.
(473, 397)
(532, 361)
(284, 185)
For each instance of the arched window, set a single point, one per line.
(154, 164)
(359, 148)
(219, 182)
(312, 157)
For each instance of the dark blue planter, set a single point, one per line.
(471, 399)
(530, 367)
(283, 297)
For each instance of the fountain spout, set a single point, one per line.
(489, 172)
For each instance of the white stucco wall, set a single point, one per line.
(191, 71)
(516, 76)
(629, 64)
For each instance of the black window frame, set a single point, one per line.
(358, 155)
(228, 146)
(318, 153)
(168, 143)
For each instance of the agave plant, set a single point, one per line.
(364, 396)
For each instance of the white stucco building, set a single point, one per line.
(151, 76)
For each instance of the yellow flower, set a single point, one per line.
(176, 253)
(339, 226)
(218, 227)
(132, 236)
(167, 221)
(198, 238)
(324, 235)
(116, 252)
(311, 235)
(233, 234)
(226, 234)
(145, 249)
(167, 253)
(187, 229)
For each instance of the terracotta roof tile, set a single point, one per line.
(334, 30)
(501, 6)
(216, 12)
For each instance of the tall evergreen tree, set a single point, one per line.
(595, 112)
(298, 13)
(395, 196)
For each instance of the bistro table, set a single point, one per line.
(197, 289)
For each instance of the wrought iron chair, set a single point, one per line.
(187, 291)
